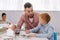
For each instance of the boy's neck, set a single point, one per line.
(44, 24)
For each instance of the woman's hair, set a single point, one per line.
(3, 14)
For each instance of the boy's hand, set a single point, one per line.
(27, 31)
(32, 35)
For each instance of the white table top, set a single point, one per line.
(2, 37)
(32, 38)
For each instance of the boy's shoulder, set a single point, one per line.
(50, 26)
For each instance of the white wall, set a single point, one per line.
(11, 4)
(51, 5)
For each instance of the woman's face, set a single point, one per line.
(4, 17)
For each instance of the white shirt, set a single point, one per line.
(31, 19)
(4, 22)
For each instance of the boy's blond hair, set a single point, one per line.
(45, 16)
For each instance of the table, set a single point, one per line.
(32, 38)
(4, 37)
(23, 38)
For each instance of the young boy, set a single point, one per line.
(44, 29)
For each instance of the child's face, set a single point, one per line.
(41, 21)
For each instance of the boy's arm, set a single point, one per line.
(47, 35)
(35, 29)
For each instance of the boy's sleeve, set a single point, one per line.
(34, 30)
(47, 35)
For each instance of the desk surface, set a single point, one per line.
(20, 38)
(3, 36)
(32, 38)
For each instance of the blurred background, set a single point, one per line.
(15, 8)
